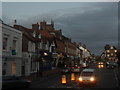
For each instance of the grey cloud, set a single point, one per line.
(94, 24)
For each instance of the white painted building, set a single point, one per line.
(11, 50)
(29, 66)
(85, 52)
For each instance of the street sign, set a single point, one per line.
(13, 52)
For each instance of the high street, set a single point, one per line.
(106, 78)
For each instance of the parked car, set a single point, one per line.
(76, 68)
(100, 63)
(111, 64)
(14, 82)
(87, 76)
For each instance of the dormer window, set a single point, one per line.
(34, 34)
(111, 47)
(39, 36)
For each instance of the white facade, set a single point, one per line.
(28, 63)
(85, 52)
(12, 40)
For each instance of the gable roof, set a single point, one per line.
(45, 34)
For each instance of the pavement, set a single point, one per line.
(44, 76)
(118, 75)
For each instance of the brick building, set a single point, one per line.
(110, 53)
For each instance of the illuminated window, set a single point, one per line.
(4, 69)
(108, 55)
(39, 36)
(108, 51)
(14, 69)
(115, 50)
(111, 47)
(111, 54)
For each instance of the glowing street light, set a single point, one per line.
(45, 54)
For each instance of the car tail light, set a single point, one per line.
(79, 67)
(72, 67)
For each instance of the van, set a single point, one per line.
(87, 76)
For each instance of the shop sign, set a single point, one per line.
(54, 55)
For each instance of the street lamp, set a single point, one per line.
(45, 54)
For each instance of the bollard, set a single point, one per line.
(72, 76)
(64, 79)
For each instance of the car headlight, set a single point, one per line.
(92, 79)
(80, 79)
(29, 81)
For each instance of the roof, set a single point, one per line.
(44, 33)
(88, 70)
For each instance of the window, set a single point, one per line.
(5, 40)
(34, 34)
(115, 50)
(14, 44)
(87, 73)
(108, 51)
(4, 69)
(111, 54)
(111, 47)
(53, 48)
(14, 69)
(39, 36)
(44, 46)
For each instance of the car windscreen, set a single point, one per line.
(87, 73)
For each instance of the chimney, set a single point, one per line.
(15, 22)
(43, 25)
(35, 26)
(52, 23)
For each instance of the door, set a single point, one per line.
(14, 69)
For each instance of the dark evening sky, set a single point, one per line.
(92, 23)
